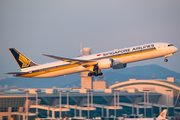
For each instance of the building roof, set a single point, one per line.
(165, 83)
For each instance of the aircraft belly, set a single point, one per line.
(142, 56)
(58, 73)
(81, 69)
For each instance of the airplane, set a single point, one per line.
(162, 116)
(93, 63)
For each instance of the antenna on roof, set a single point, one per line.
(81, 51)
(154, 77)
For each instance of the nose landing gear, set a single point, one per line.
(167, 56)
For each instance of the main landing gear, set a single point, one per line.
(96, 72)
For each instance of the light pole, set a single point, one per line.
(26, 91)
(114, 104)
(75, 110)
(167, 100)
(91, 98)
(102, 111)
(118, 97)
(145, 103)
(147, 96)
(88, 101)
(60, 104)
(118, 100)
(67, 98)
(36, 103)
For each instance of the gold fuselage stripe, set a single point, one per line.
(44, 71)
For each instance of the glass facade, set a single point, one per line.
(12, 102)
(127, 100)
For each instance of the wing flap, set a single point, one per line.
(73, 61)
(19, 73)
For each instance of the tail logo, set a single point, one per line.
(162, 115)
(25, 62)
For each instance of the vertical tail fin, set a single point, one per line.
(21, 59)
(163, 114)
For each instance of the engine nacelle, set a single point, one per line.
(105, 64)
(117, 64)
(111, 63)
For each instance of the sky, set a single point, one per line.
(57, 27)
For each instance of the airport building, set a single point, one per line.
(146, 98)
(169, 90)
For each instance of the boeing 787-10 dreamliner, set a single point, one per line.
(115, 59)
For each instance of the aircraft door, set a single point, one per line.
(160, 46)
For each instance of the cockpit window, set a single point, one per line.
(170, 45)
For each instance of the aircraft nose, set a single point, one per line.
(175, 49)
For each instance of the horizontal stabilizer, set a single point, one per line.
(68, 59)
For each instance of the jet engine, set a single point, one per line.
(105, 63)
(117, 64)
(111, 63)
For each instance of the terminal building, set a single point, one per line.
(146, 98)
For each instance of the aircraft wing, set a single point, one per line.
(69, 59)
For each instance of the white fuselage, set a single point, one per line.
(126, 55)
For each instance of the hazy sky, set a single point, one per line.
(58, 27)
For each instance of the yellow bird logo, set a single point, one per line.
(25, 62)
